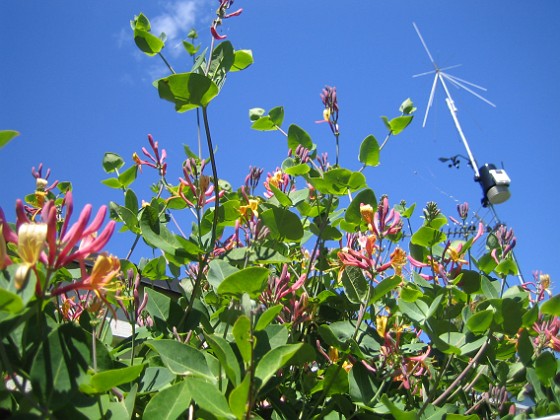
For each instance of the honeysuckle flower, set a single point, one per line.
(386, 221)
(278, 180)
(366, 210)
(334, 358)
(330, 112)
(222, 14)
(42, 187)
(31, 241)
(195, 188)
(156, 161)
(105, 269)
(69, 244)
(548, 333)
(253, 177)
(252, 206)
(398, 260)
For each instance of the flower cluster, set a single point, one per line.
(222, 14)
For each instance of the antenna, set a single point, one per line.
(494, 182)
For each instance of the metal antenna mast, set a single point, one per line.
(494, 182)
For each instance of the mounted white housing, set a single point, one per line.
(495, 184)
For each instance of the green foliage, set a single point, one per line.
(312, 300)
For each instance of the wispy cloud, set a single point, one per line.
(177, 20)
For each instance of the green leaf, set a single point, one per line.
(6, 136)
(243, 338)
(147, 42)
(546, 366)
(396, 411)
(427, 236)
(191, 48)
(399, 124)
(208, 398)
(291, 167)
(250, 280)
(222, 60)
(384, 287)
(268, 316)
(282, 356)
(355, 285)
(218, 271)
(242, 59)
(417, 311)
(282, 198)
(369, 151)
(112, 183)
(181, 359)
(283, 223)
(131, 202)
(10, 302)
(239, 396)
(339, 181)
(297, 136)
(264, 124)
(106, 380)
(155, 269)
(507, 267)
(470, 281)
(224, 353)
(155, 379)
(480, 322)
(112, 161)
(551, 306)
(256, 113)
(61, 360)
(187, 90)
(276, 114)
(169, 403)
(127, 177)
(353, 214)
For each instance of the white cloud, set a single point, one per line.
(176, 22)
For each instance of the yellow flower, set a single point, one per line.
(455, 256)
(366, 211)
(106, 267)
(31, 238)
(398, 260)
(253, 206)
(381, 325)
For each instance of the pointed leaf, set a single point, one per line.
(181, 359)
(355, 285)
(243, 338)
(207, 397)
(279, 357)
(250, 280)
(551, 306)
(6, 136)
(369, 151)
(106, 380)
(224, 353)
(169, 403)
(353, 214)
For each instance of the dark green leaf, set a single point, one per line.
(397, 412)
(276, 114)
(369, 151)
(10, 302)
(131, 201)
(155, 379)
(239, 396)
(546, 367)
(417, 311)
(470, 281)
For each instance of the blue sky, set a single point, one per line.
(73, 83)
